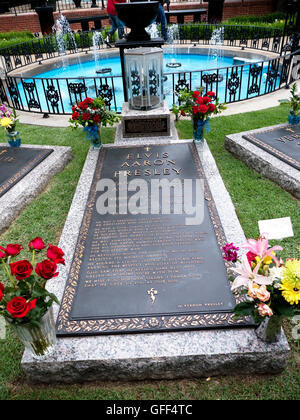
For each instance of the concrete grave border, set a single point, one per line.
(21, 194)
(185, 354)
(263, 162)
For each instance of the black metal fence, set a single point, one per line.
(231, 84)
(41, 49)
(18, 7)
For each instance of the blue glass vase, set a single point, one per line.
(93, 135)
(13, 138)
(293, 119)
(199, 128)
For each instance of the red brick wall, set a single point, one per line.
(247, 8)
(23, 22)
(30, 21)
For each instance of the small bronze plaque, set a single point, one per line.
(283, 143)
(15, 163)
(151, 271)
(146, 126)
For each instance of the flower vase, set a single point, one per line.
(13, 138)
(199, 128)
(269, 330)
(40, 341)
(293, 119)
(93, 135)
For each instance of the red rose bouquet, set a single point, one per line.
(92, 114)
(199, 107)
(24, 300)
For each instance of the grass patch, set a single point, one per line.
(254, 198)
(271, 20)
(11, 38)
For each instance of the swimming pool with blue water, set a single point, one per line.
(75, 73)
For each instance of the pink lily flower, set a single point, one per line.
(247, 275)
(261, 248)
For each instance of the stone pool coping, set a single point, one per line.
(21, 194)
(263, 162)
(184, 354)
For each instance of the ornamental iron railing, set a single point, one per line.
(57, 95)
(41, 49)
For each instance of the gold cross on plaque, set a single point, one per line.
(152, 293)
(147, 148)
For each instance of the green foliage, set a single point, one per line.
(294, 100)
(11, 38)
(202, 31)
(274, 20)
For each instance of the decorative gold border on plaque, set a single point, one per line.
(66, 326)
(43, 154)
(275, 152)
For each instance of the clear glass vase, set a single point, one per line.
(93, 134)
(269, 330)
(40, 341)
(13, 138)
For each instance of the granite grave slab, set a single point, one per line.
(273, 151)
(282, 142)
(42, 163)
(163, 355)
(148, 272)
(15, 163)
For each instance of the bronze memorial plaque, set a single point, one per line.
(146, 125)
(281, 142)
(15, 163)
(147, 272)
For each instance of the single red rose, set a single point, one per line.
(18, 307)
(2, 253)
(21, 269)
(46, 269)
(196, 93)
(75, 116)
(210, 93)
(211, 107)
(182, 113)
(1, 291)
(202, 109)
(96, 118)
(206, 99)
(13, 249)
(86, 116)
(74, 108)
(37, 244)
(83, 105)
(88, 101)
(251, 257)
(55, 254)
(195, 109)
(200, 100)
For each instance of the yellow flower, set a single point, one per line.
(290, 293)
(268, 260)
(291, 272)
(6, 122)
